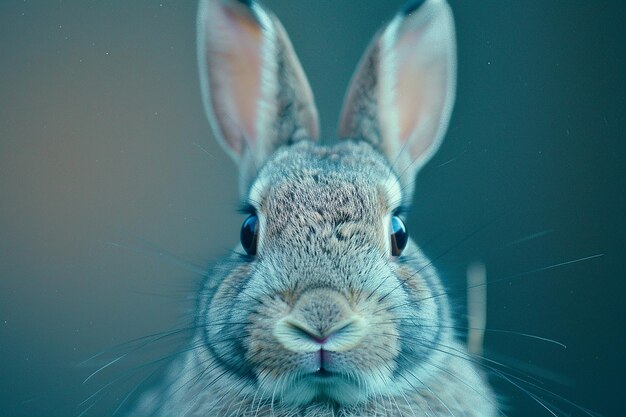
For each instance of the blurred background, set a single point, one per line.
(112, 189)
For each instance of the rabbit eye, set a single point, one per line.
(399, 236)
(250, 234)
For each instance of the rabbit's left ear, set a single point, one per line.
(401, 95)
(253, 87)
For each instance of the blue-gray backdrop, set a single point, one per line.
(109, 176)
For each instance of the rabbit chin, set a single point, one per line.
(312, 389)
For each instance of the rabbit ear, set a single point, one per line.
(254, 90)
(401, 95)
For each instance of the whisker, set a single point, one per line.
(449, 161)
(509, 377)
(161, 254)
(490, 330)
(148, 340)
(129, 373)
(444, 253)
(197, 145)
(527, 238)
(508, 278)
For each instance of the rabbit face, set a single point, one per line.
(324, 311)
(303, 324)
(331, 310)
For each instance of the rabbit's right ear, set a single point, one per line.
(401, 95)
(253, 87)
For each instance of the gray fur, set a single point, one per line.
(323, 268)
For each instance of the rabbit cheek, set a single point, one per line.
(423, 304)
(413, 282)
(222, 319)
(423, 319)
(379, 350)
(263, 351)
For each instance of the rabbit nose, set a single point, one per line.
(302, 331)
(321, 319)
(296, 336)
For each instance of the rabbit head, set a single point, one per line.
(326, 299)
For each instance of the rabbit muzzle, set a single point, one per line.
(321, 321)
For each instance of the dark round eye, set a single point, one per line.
(250, 234)
(399, 236)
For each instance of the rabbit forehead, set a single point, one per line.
(347, 176)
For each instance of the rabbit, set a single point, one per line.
(326, 307)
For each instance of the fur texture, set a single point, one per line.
(322, 320)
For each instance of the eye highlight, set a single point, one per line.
(399, 236)
(250, 234)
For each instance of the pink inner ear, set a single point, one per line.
(420, 90)
(234, 64)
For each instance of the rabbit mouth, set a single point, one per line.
(327, 378)
(324, 374)
(323, 386)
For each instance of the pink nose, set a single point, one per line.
(298, 337)
(310, 334)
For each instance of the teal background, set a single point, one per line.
(103, 142)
